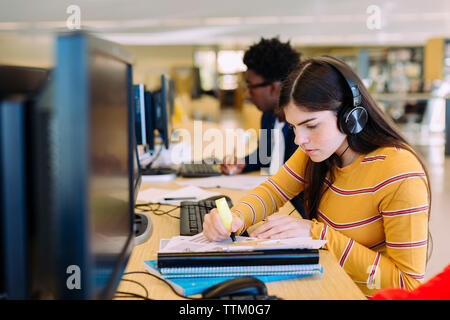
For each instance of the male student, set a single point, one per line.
(268, 63)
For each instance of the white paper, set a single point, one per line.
(239, 182)
(199, 243)
(157, 195)
(195, 243)
(152, 194)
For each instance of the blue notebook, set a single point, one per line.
(193, 285)
(253, 270)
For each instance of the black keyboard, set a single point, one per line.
(192, 213)
(158, 171)
(197, 170)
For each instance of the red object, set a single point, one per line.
(437, 288)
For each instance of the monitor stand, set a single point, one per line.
(142, 228)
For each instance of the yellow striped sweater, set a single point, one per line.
(374, 215)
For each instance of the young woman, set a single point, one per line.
(366, 191)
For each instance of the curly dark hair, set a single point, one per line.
(272, 59)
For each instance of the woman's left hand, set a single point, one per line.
(282, 226)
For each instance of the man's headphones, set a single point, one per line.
(351, 118)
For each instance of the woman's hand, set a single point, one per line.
(282, 226)
(231, 166)
(213, 228)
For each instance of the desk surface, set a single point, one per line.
(334, 283)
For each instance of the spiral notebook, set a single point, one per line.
(194, 285)
(226, 271)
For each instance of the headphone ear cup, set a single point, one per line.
(354, 121)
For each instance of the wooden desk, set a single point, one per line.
(333, 284)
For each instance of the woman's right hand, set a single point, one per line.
(213, 228)
(231, 166)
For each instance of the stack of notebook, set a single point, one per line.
(193, 272)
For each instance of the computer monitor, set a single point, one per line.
(163, 104)
(23, 176)
(137, 177)
(94, 182)
(171, 90)
(196, 90)
(140, 114)
(68, 173)
(149, 121)
(20, 81)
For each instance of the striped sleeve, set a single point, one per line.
(405, 219)
(369, 269)
(272, 194)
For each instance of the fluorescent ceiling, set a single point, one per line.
(232, 22)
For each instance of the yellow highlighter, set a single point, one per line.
(225, 215)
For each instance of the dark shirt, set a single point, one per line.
(265, 144)
(265, 148)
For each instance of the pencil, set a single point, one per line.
(181, 198)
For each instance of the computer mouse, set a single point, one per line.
(239, 285)
(214, 198)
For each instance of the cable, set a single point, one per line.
(147, 207)
(163, 280)
(159, 212)
(130, 295)
(139, 284)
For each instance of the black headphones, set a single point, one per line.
(351, 118)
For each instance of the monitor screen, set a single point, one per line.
(94, 144)
(108, 179)
(163, 100)
(170, 85)
(139, 114)
(149, 120)
(137, 178)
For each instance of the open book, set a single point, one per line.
(199, 243)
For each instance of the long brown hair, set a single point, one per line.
(316, 86)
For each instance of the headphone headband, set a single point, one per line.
(347, 75)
